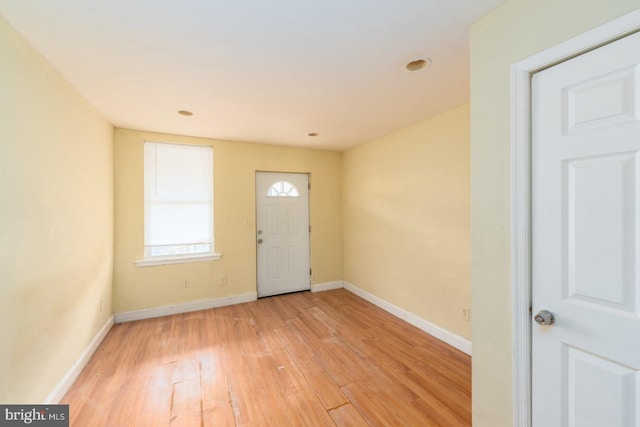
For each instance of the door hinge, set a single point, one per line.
(310, 272)
(309, 229)
(309, 186)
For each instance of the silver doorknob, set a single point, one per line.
(545, 318)
(259, 240)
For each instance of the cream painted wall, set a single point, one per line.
(56, 222)
(516, 30)
(235, 165)
(406, 226)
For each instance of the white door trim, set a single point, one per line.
(521, 193)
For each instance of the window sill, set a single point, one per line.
(177, 260)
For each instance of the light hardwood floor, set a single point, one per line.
(305, 359)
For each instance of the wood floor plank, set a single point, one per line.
(214, 382)
(265, 322)
(81, 394)
(338, 370)
(327, 391)
(284, 308)
(219, 415)
(304, 359)
(341, 315)
(303, 401)
(441, 364)
(347, 416)
(381, 406)
(186, 403)
(319, 328)
(362, 396)
(158, 391)
(441, 415)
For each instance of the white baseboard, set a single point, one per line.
(72, 374)
(186, 307)
(442, 334)
(327, 286)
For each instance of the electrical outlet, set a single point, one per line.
(186, 283)
(466, 314)
(223, 280)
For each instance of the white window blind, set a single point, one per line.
(178, 200)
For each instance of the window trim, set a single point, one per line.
(150, 261)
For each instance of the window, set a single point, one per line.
(283, 189)
(178, 203)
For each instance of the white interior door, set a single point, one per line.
(282, 226)
(585, 259)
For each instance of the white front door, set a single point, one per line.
(282, 226)
(586, 225)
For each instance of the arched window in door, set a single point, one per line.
(283, 189)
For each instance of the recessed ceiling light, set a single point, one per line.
(185, 113)
(312, 134)
(418, 64)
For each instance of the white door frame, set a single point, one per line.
(521, 73)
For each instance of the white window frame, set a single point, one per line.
(152, 260)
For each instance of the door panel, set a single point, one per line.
(602, 100)
(585, 145)
(600, 200)
(282, 220)
(600, 392)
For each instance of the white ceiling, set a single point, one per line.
(255, 70)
